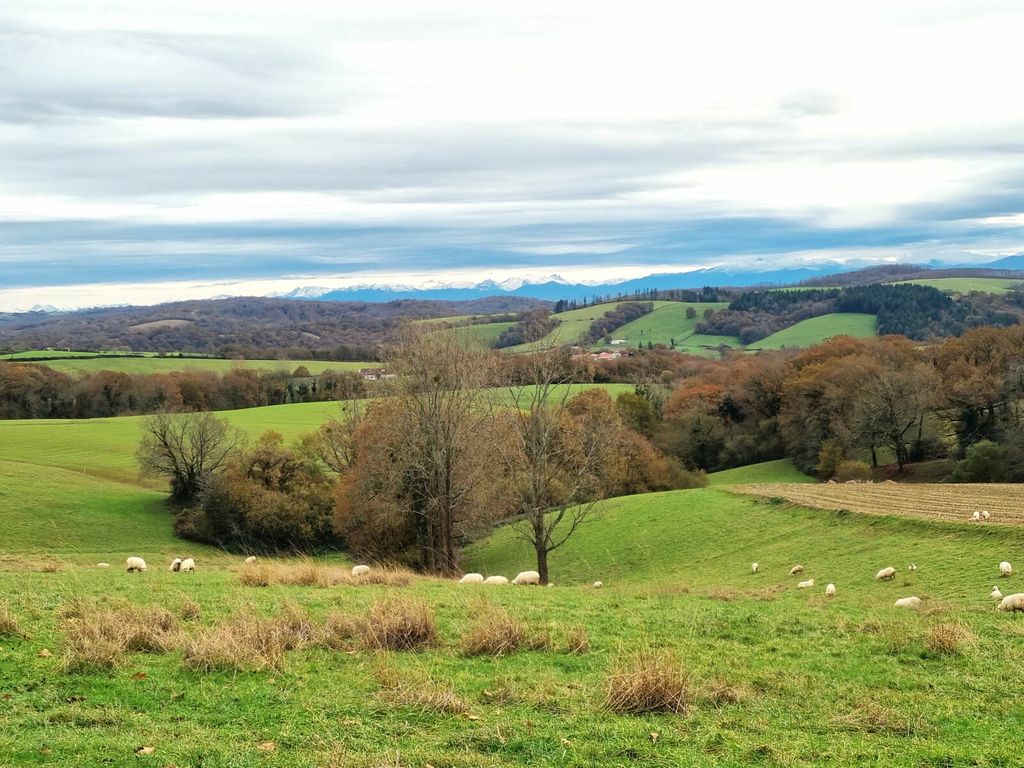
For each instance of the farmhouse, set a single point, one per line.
(376, 374)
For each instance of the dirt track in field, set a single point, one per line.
(931, 501)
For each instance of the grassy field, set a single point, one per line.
(668, 321)
(572, 326)
(62, 353)
(967, 284)
(815, 330)
(773, 675)
(144, 365)
(485, 333)
(779, 471)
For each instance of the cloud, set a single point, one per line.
(193, 139)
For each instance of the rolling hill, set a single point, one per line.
(816, 329)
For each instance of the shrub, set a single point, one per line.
(985, 462)
(400, 625)
(646, 681)
(829, 458)
(852, 470)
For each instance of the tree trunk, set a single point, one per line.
(540, 545)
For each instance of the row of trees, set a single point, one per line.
(32, 391)
(412, 476)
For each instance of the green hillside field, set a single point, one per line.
(968, 284)
(843, 681)
(779, 471)
(815, 330)
(668, 321)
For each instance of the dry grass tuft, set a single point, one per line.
(190, 610)
(8, 622)
(869, 716)
(297, 629)
(308, 574)
(49, 566)
(400, 625)
(244, 643)
(98, 638)
(421, 692)
(646, 681)
(577, 641)
(949, 638)
(494, 633)
(720, 693)
(340, 629)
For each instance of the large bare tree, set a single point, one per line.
(185, 447)
(551, 458)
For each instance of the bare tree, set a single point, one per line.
(890, 405)
(185, 447)
(332, 445)
(551, 460)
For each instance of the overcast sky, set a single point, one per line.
(202, 148)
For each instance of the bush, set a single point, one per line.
(852, 470)
(985, 462)
(829, 458)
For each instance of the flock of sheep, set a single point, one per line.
(524, 578)
(1014, 602)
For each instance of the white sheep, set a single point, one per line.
(985, 514)
(754, 567)
(995, 594)
(188, 565)
(886, 574)
(360, 570)
(598, 584)
(908, 602)
(136, 564)
(805, 584)
(102, 565)
(830, 590)
(496, 580)
(175, 565)
(912, 567)
(795, 570)
(1013, 602)
(976, 517)
(472, 578)
(1005, 569)
(250, 559)
(527, 578)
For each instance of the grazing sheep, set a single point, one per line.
(912, 567)
(360, 570)
(1005, 569)
(830, 590)
(496, 580)
(805, 584)
(1013, 602)
(795, 570)
(135, 564)
(976, 516)
(908, 602)
(472, 578)
(754, 567)
(985, 514)
(102, 565)
(598, 584)
(886, 574)
(995, 594)
(188, 565)
(831, 482)
(527, 578)
(175, 565)
(250, 559)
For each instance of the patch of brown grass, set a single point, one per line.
(254, 575)
(421, 691)
(949, 638)
(646, 681)
(493, 633)
(309, 574)
(719, 693)
(9, 626)
(49, 566)
(97, 638)
(870, 716)
(400, 625)
(245, 643)
(577, 641)
(190, 610)
(340, 629)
